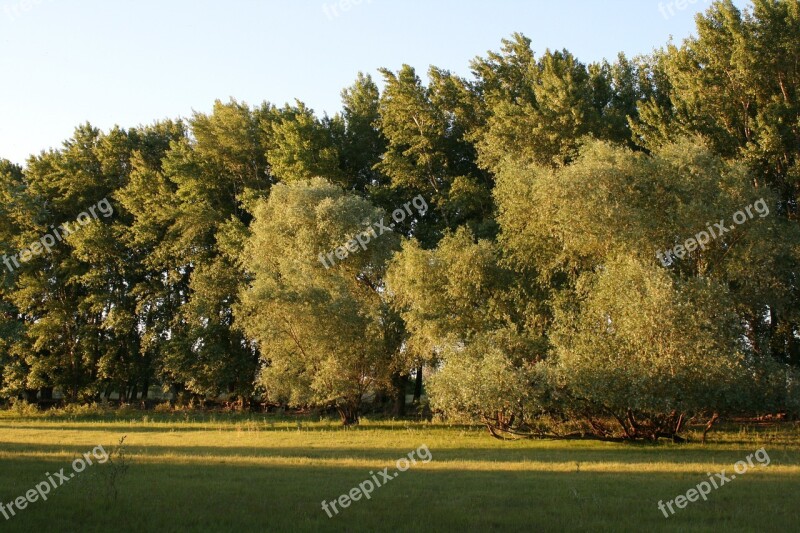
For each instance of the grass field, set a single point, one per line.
(254, 473)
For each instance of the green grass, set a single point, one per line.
(255, 473)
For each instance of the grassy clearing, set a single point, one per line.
(253, 473)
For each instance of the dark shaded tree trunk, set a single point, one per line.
(349, 413)
(793, 347)
(399, 392)
(379, 401)
(145, 389)
(418, 386)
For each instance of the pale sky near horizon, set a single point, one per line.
(130, 62)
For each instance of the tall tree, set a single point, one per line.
(737, 84)
(362, 143)
(428, 152)
(326, 333)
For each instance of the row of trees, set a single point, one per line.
(530, 291)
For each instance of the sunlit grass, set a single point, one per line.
(224, 472)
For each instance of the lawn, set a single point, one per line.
(217, 472)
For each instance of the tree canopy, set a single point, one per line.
(608, 248)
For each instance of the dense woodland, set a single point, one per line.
(529, 295)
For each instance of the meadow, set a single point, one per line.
(227, 472)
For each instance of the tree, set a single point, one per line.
(629, 203)
(539, 110)
(184, 208)
(326, 335)
(737, 84)
(428, 152)
(65, 338)
(482, 322)
(13, 203)
(361, 141)
(301, 146)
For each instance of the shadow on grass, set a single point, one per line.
(168, 497)
(323, 451)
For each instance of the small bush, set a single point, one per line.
(76, 409)
(164, 407)
(23, 408)
(125, 409)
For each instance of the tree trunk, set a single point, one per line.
(349, 413)
(379, 401)
(108, 392)
(145, 389)
(792, 346)
(418, 386)
(710, 424)
(399, 388)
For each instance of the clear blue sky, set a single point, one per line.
(130, 62)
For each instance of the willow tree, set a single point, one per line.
(646, 341)
(326, 334)
(428, 152)
(483, 322)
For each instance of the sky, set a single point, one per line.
(131, 62)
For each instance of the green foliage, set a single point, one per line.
(301, 146)
(538, 110)
(737, 83)
(326, 335)
(428, 152)
(635, 341)
(530, 292)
